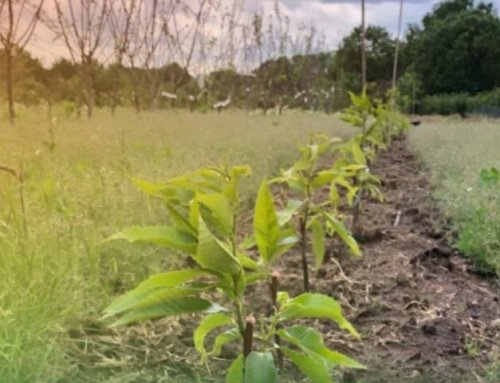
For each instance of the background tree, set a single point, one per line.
(458, 48)
(18, 20)
(82, 25)
(123, 19)
(379, 57)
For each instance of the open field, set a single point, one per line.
(55, 277)
(455, 152)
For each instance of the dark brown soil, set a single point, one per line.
(423, 315)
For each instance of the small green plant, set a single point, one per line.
(315, 215)
(380, 123)
(490, 176)
(204, 208)
(379, 120)
(472, 346)
(360, 112)
(357, 179)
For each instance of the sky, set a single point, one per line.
(334, 18)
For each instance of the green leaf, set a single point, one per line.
(239, 171)
(265, 223)
(248, 242)
(220, 209)
(213, 254)
(318, 241)
(255, 277)
(311, 342)
(203, 180)
(247, 262)
(287, 240)
(260, 368)
(136, 301)
(179, 221)
(357, 152)
(334, 195)
(150, 188)
(152, 284)
(339, 228)
(194, 212)
(208, 324)
(323, 178)
(179, 306)
(352, 192)
(314, 369)
(223, 339)
(166, 191)
(235, 372)
(286, 215)
(310, 305)
(159, 235)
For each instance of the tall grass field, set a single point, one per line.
(455, 152)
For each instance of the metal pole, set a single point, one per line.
(396, 56)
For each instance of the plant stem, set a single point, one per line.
(238, 306)
(356, 210)
(274, 298)
(236, 279)
(303, 252)
(248, 336)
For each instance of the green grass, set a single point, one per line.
(455, 152)
(55, 275)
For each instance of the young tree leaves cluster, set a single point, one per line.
(204, 223)
(204, 220)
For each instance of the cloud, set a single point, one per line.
(333, 18)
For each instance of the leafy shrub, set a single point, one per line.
(203, 224)
(314, 214)
(203, 209)
(462, 103)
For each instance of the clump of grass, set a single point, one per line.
(77, 192)
(455, 153)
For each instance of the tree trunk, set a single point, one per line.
(10, 93)
(90, 92)
(88, 85)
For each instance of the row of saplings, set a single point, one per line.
(203, 210)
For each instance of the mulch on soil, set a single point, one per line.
(423, 313)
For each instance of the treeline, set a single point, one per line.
(314, 81)
(455, 50)
(485, 103)
(454, 59)
(303, 81)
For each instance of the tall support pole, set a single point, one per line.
(396, 55)
(363, 44)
